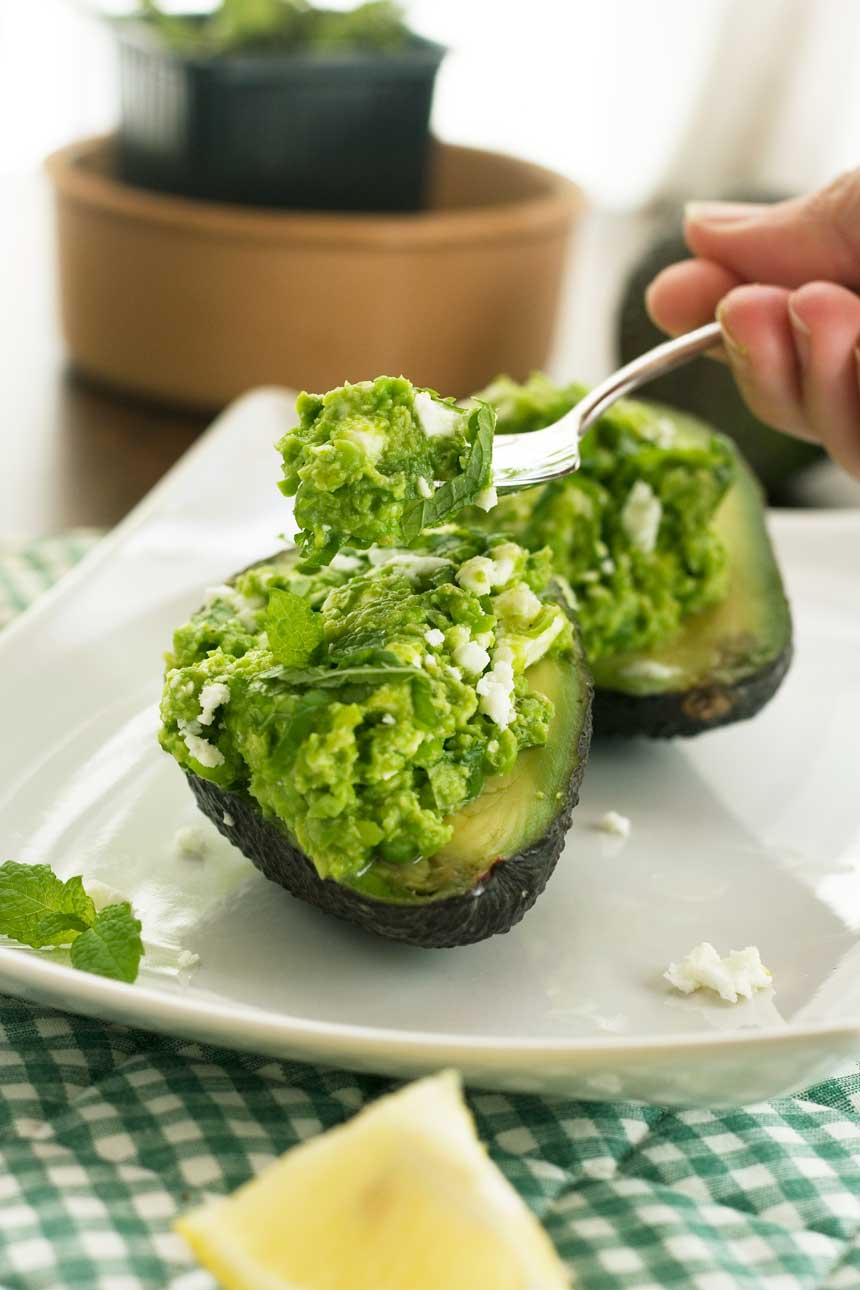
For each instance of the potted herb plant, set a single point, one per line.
(277, 103)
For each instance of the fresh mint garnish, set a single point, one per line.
(294, 629)
(38, 909)
(112, 946)
(457, 493)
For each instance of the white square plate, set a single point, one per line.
(750, 835)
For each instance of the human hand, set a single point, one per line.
(779, 279)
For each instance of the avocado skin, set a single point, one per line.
(689, 712)
(503, 895)
(500, 899)
(704, 387)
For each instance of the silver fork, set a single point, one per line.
(522, 460)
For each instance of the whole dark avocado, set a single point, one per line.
(704, 387)
(508, 839)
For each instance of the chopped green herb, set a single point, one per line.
(38, 909)
(112, 946)
(294, 629)
(461, 491)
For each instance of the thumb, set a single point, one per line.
(786, 244)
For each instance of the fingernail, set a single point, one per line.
(735, 350)
(722, 212)
(800, 332)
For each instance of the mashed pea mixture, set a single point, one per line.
(379, 462)
(631, 530)
(362, 704)
(363, 694)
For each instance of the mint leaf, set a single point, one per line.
(294, 629)
(334, 679)
(457, 493)
(37, 908)
(112, 946)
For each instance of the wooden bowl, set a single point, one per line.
(195, 302)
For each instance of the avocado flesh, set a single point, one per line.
(505, 845)
(728, 660)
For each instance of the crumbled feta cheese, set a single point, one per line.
(613, 822)
(487, 498)
(179, 687)
(436, 419)
(641, 515)
(504, 558)
(485, 639)
(471, 657)
(496, 690)
(434, 637)
(227, 819)
(201, 750)
(482, 573)
(607, 566)
(212, 696)
(388, 719)
(662, 432)
(187, 959)
(345, 563)
(244, 607)
(736, 976)
(413, 565)
(454, 671)
(424, 488)
(475, 575)
(430, 661)
(191, 841)
(371, 442)
(519, 602)
(493, 747)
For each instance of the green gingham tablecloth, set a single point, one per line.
(107, 1133)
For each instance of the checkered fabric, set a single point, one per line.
(107, 1133)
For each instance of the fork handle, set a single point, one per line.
(656, 362)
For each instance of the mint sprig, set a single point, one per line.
(38, 909)
(112, 946)
(457, 493)
(294, 629)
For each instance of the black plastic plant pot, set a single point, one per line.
(346, 131)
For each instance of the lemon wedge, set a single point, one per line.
(403, 1197)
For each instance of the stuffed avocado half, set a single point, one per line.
(397, 737)
(661, 536)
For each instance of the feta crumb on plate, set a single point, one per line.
(734, 977)
(613, 822)
(192, 841)
(227, 819)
